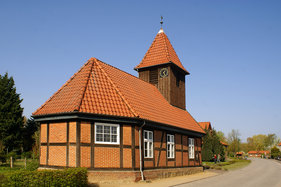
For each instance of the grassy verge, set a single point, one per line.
(18, 165)
(228, 165)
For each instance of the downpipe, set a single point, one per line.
(140, 151)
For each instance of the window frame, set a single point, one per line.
(148, 141)
(171, 144)
(110, 125)
(191, 148)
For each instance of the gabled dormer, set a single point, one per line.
(162, 68)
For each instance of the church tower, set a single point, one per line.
(162, 68)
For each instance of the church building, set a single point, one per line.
(120, 126)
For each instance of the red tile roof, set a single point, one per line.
(205, 125)
(223, 143)
(239, 153)
(99, 88)
(259, 152)
(161, 51)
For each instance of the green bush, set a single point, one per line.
(66, 177)
(12, 154)
(32, 165)
(26, 155)
(3, 157)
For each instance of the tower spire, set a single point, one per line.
(161, 22)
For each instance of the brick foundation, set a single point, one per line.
(133, 176)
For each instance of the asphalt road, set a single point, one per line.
(260, 173)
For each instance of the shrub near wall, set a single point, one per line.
(66, 177)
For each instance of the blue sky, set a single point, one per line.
(231, 48)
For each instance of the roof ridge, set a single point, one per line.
(166, 47)
(86, 85)
(116, 88)
(127, 73)
(64, 85)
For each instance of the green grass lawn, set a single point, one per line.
(5, 168)
(19, 164)
(230, 164)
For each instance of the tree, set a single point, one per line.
(234, 141)
(212, 146)
(270, 140)
(259, 142)
(11, 119)
(275, 152)
(207, 153)
(217, 146)
(251, 146)
(221, 136)
(29, 129)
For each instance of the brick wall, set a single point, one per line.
(57, 156)
(85, 156)
(127, 135)
(43, 154)
(72, 132)
(127, 158)
(114, 177)
(85, 132)
(57, 132)
(43, 133)
(72, 156)
(107, 157)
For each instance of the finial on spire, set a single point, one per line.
(161, 22)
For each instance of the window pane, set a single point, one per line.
(106, 129)
(150, 135)
(145, 149)
(107, 138)
(172, 138)
(114, 130)
(99, 129)
(145, 153)
(99, 137)
(145, 134)
(168, 137)
(113, 138)
(150, 149)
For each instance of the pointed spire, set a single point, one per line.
(160, 52)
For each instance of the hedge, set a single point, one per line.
(66, 177)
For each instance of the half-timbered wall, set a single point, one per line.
(71, 144)
(172, 87)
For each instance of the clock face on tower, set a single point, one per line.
(164, 72)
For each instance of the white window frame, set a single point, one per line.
(170, 146)
(148, 144)
(191, 148)
(110, 125)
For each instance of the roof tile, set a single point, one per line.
(161, 51)
(99, 88)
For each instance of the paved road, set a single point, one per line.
(260, 173)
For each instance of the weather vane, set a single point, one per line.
(161, 22)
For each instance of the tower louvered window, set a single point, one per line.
(153, 76)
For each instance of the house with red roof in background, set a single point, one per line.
(120, 126)
(206, 125)
(259, 154)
